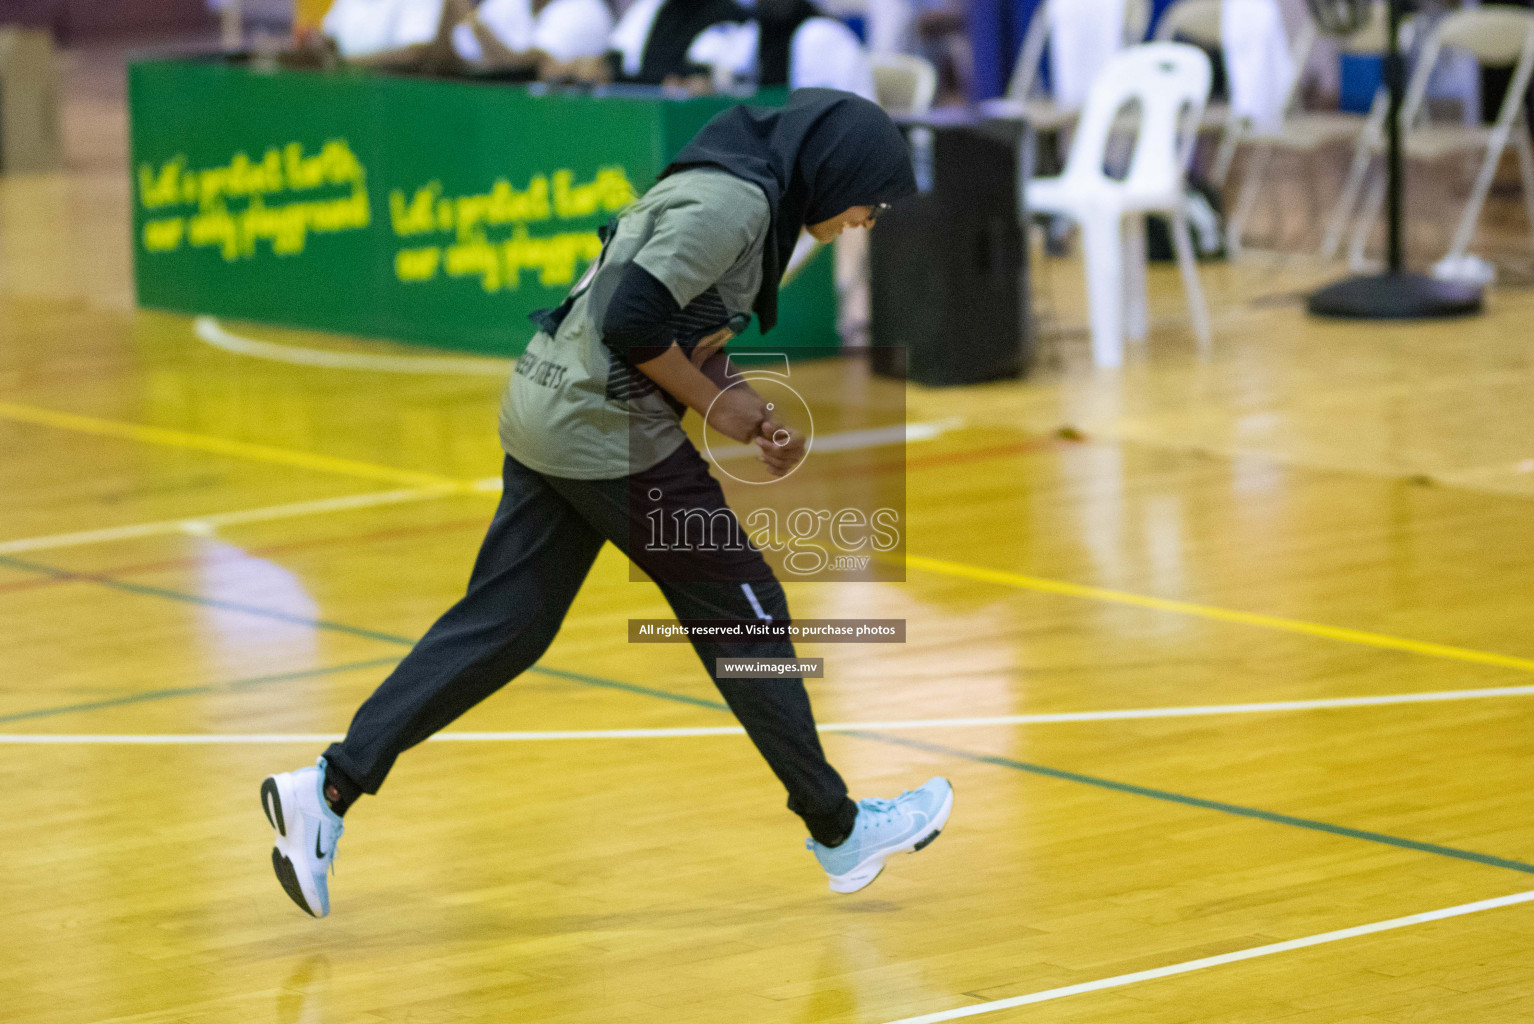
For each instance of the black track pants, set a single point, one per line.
(540, 546)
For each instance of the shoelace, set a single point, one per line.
(874, 805)
(881, 807)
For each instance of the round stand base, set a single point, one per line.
(1395, 297)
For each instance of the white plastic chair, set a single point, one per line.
(904, 84)
(1497, 35)
(1170, 84)
(1025, 97)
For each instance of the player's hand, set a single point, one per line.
(711, 345)
(782, 449)
(738, 413)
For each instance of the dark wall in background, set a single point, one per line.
(76, 20)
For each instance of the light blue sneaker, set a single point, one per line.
(902, 825)
(307, 832)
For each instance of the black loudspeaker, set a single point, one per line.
(948, 303)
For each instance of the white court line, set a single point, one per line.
(210, 331)
(529, 736)
(192, 739)
(850, 440)
(1119, 981)
(1199, 711)
(204, 525)
(855, 440)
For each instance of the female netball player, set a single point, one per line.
(591, 428)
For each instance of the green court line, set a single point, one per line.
(193, 691)
(900, 741)
(1201, 803)
(69, 576)
(645, 691)
(273, 614)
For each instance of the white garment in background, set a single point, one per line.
(511, 21)
(891, 26)
(363, 27)
(632, 32)
(1456, 76)
(567, 29)
(730, 47)
(824, 54)
(1259, 69)
(564, 29)
(1083, 34)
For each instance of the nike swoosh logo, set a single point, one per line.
(317, 851)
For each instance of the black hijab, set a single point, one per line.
(823, 153)
(778, 21)
(676, 25)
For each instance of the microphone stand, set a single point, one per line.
(1395, 294)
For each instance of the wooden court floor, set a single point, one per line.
(1230, 662)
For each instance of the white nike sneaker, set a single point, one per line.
(307, 833)
(883, 827)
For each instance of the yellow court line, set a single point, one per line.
(349, 467)
(224, 446)
(1204, 611)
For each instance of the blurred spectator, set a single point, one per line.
(909, 26)
(394, 33)
(1083, 36)
(525, 34)
(651, 42)
(790, 42)
(934, 29)
(802, 48)
(891, 26)
(1259, 67)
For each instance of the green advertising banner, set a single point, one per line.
(418, 210)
